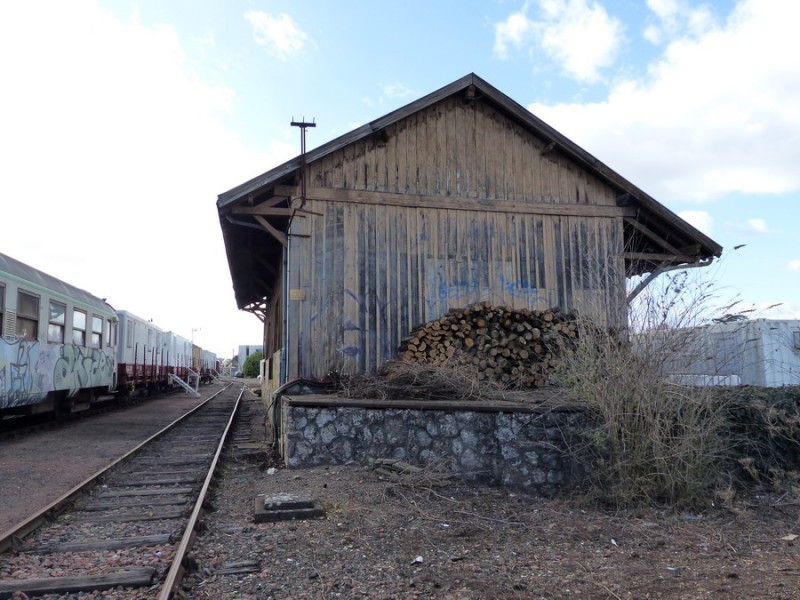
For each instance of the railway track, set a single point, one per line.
(131, 525)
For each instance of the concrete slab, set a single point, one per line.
(286, 507)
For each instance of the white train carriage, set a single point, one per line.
(141, 357)
(178, 351)
(57, 343)
(209, 367)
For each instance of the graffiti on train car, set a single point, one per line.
(27, 373)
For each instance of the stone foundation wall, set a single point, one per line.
(523, 450)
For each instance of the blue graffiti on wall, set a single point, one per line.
(366, 305)
(458, 290)
(472, 290)
(29, 370)
(519, 289)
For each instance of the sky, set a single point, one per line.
(121, 122)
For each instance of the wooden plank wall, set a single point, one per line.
(273, 332)
(462, 151)
(369, 273)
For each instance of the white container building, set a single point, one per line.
(758, 352)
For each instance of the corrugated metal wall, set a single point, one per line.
(367, 273)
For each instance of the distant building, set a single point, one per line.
(245, 351)
(758, 352)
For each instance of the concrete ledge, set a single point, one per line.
(539, 403)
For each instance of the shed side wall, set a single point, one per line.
(366, 275)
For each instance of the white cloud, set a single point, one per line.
(113, 152)
(794, 265)
(755, 226)
(578, 35)
(517, 31)
(280, 35)
(700, 219)
(677, 16)
(664, 9)
(758, 226)
(389, 93)
(396, 90)
(715, 115)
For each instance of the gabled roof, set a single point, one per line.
(657, 236)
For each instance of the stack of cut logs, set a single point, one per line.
(518, 348)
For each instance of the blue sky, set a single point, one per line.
(121, 122)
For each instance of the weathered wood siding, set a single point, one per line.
(460, 150)
(364, 274)
(369, 274)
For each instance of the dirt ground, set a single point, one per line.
(422, 536)
(386, 539)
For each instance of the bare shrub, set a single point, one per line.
(656, 442)
(765, 423)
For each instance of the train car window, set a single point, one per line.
(130, 333)
(97, 331)
(55, 328)
(108, 333)
(2, 307)
(27, 316)
(79, 327)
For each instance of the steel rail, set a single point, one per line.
(24, 528)
(178, 568)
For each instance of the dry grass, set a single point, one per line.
(655, 443)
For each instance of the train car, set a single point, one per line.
(197, 358)
(57, 343)
(210, 366)
(178, 351)
(141, 355)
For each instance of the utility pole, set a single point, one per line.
(303, 125)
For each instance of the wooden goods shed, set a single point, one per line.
(459, 197)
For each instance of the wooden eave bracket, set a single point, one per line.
(270, 211)
(269, 208)
(259, 309)
(275, 232)
(654, 237)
